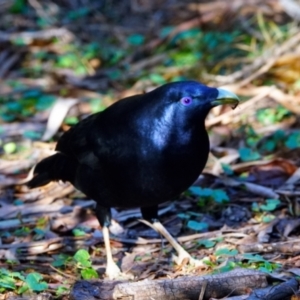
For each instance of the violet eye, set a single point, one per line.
(186, 101)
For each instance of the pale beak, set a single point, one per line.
(226, 97)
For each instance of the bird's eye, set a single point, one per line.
(186, 101)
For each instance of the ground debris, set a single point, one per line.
(236, 282)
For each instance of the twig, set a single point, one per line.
(62, 273)
(261, 64)
(227, 117)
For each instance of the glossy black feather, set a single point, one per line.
(140, 151)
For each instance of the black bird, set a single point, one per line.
(139, 152)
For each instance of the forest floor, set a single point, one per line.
(62, 60)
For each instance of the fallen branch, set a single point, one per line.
(235, 282)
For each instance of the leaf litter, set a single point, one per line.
(251, 201)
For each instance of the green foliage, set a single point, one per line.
(269, 116)
(206, 243)
(78, 13)
(256, 146)
(62, 290)
(78, 232)
(247, 154)
(226, 252)
(14, 108)
(35, 282)
(197, 226)
(247, 133)
(227, 169)
(20, 283)
(61, 260)
(267, 218)
(89, 273)
(82, 257)
(10, 148)
(195, 45)
(136, 39)
(18, 6)
(71, 120)
(293, 140)
(23, 231)
(157, 78)
(270, 205)
(259, 262)
(217, 195)
(96, 105)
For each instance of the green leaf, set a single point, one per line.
(206, 243)
(33, 135)
(157, 78)
(220, 196)
(247, 154)
(186, 35)
(23, 231)
(201, 192)
(10, 148)
(62, 290)
(227, 169)
(78, 232)
(24, 288)
(18, 6)
(253, 257)
(293, 140)
(255, 207)
(165, 31)
(61, 260)
(226, 252)
(18, 202)
(83, 257)
(197, 226)
(183, 216)
(96, 105)
(72, 120)
(7, 283)
(35, 282)
(271, 204)
(78, 13)
(136, 39)
(89, 273)
(44, 102)
(267, 218)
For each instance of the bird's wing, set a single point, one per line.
(103, 135)
(77, 142)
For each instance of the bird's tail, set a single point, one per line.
(53, 168)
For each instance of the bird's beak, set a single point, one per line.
(226, 97)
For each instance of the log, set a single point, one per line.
(236, 282)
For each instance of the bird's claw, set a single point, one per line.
(113, 272)
(185, 255)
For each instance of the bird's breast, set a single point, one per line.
(157, 171)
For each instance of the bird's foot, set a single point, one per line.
(113, 272)
(184, 255)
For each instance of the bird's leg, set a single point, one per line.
(104, 216)
(112, 270)
(181, 253)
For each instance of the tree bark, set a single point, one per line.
(236, 282)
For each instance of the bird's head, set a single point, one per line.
(191, 100)
(179, 112)
(192, 94)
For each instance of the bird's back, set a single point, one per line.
(130, 156)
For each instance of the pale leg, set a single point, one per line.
(112, 270)
(181, 253)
